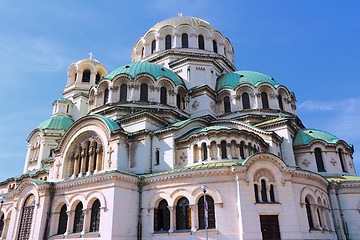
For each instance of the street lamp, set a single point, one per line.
(2, 200)
(204, 187)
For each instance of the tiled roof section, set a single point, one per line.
(56, 123)
(344, 179)
(111, 124)
(305, 136)
(154, 69)
(234, 79)
(275, 120)
(202, 130)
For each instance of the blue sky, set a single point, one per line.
(311, 47)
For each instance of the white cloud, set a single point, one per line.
(341, 105)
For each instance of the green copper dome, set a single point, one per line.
(155, 70)
(234, 79)
(182, 20)
(203, 130)
(56, 123)
(305, 136)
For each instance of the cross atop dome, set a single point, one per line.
(180, 14)
(91, 55)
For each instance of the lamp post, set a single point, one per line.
(2, 200)
(204, 187)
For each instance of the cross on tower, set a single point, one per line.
(110, 152)
(58, 165)
(91, 55)
(306, 163)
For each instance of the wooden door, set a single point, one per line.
(270, 227)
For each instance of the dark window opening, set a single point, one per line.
(210, 207)
(162, 217)
(272, 194)
(342, 160)
(153, 46)
(264, 100)
(204, 151)
(123, 92)
(256, 191)
(319, 160)
(184, 40)
(95, 217)
(168, 42)
(215, 46)
(281, 106)
(86, 76)
(227, 105)
(26, 218)
(106, 96)
(63, 218)
(157, 157)
(223, 149)
(245, 100)
(309, 214)
(143, 92)
(78, 219)
(97, 79)
(263, 191)
(163, 95)
(183, 214)
(242, 153)
(201, 42)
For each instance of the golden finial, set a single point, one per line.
(180, 14)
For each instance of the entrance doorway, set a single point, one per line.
(270, 227)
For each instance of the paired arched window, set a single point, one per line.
(184, 40)
(266, 192)
(144, 92)
(183, 214)
(106, 95)
(97, 79)
(163, 95)
(245, 100)
(201, 42)
(78, 218)
(63, 219)
(153, 46)
(319, 160)
(86, 76)
(281, 106)
(95, 216)
(223, 149)
(123, 92)
(227, 105)
(162, 217)
(27, 218)
(215, 46)
(309, 213)
(342, 160)
(264, 100)
(168, 42)
(210, 208)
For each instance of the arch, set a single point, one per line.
(184, 40)
(245, 100)
(162, 216)
(27, 217)
(183, 214)
(93, 196)
(319, 160)
(201, 42)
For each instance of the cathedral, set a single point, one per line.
(180, 144)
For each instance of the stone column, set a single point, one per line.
(208, 152)
(6, 228)
(76, 169)
(237, 150)
(70, 222)
(91, 153)
(99, 158)
(218, 151)
(54, 223)
(193, 217)
(228, 151)
(172, 216)
(83, 159)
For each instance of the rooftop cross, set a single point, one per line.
(180, 14)
(90, 55)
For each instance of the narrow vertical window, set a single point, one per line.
(204, 152)
(106, 96)
(143, 92)
(342, 160)
(1, 224)
(27, 218)
(242, 154)
(319, 217)
(223, 149)
(97, 79)
(281, 106)
(263, 191)
(123, 92)
(163, 95)
(256, 192)
(95, 216)
(142, 52)
(162, 217)
(178, 101)
(183, 214)
(245, 100)
(319, 160)
(272, 194)
(63, 219)
(195, 153)
(264, 100)
(201, 42)
(157, 157)
(86, 76)
(215, 46)
(227, 106)
(211, 212)
(153, 46)
(309, 214)
(78, 218)
(184, 40)
(168, 42)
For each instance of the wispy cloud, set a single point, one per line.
(340, 105)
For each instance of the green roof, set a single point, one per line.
(234, 79)
(275, 120)
(305, 136)
(57, 123)
(111, 124)
(154, 69)
(62, 99)
(344, 178)
(202, 130)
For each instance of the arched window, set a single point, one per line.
(215, 46)
(162, 217)
(223, 149)
(153, 46)
(178, 101)
(168, 42)
(264, 100)
(157, 157)
(95, 216)
(309, 214)
(201, 42)
(272, 194)
(263, 191)
(319, 217)
(26, 218)
(143, 92)
(97, 79)
(163, 95)
(256, 192)
(319, 160)
(184, 40)
(204, 153)
(78, 218)
(213, 150)
(106, 96)
(342, 160)
(196, 153)
(281, 106)
(63, 219)
(123, 92)
(142, 52)
(86, 76)
(183, 214)
(210, 206)
(1, 223)
(227, 106)
(242, 154)
(245, 100)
